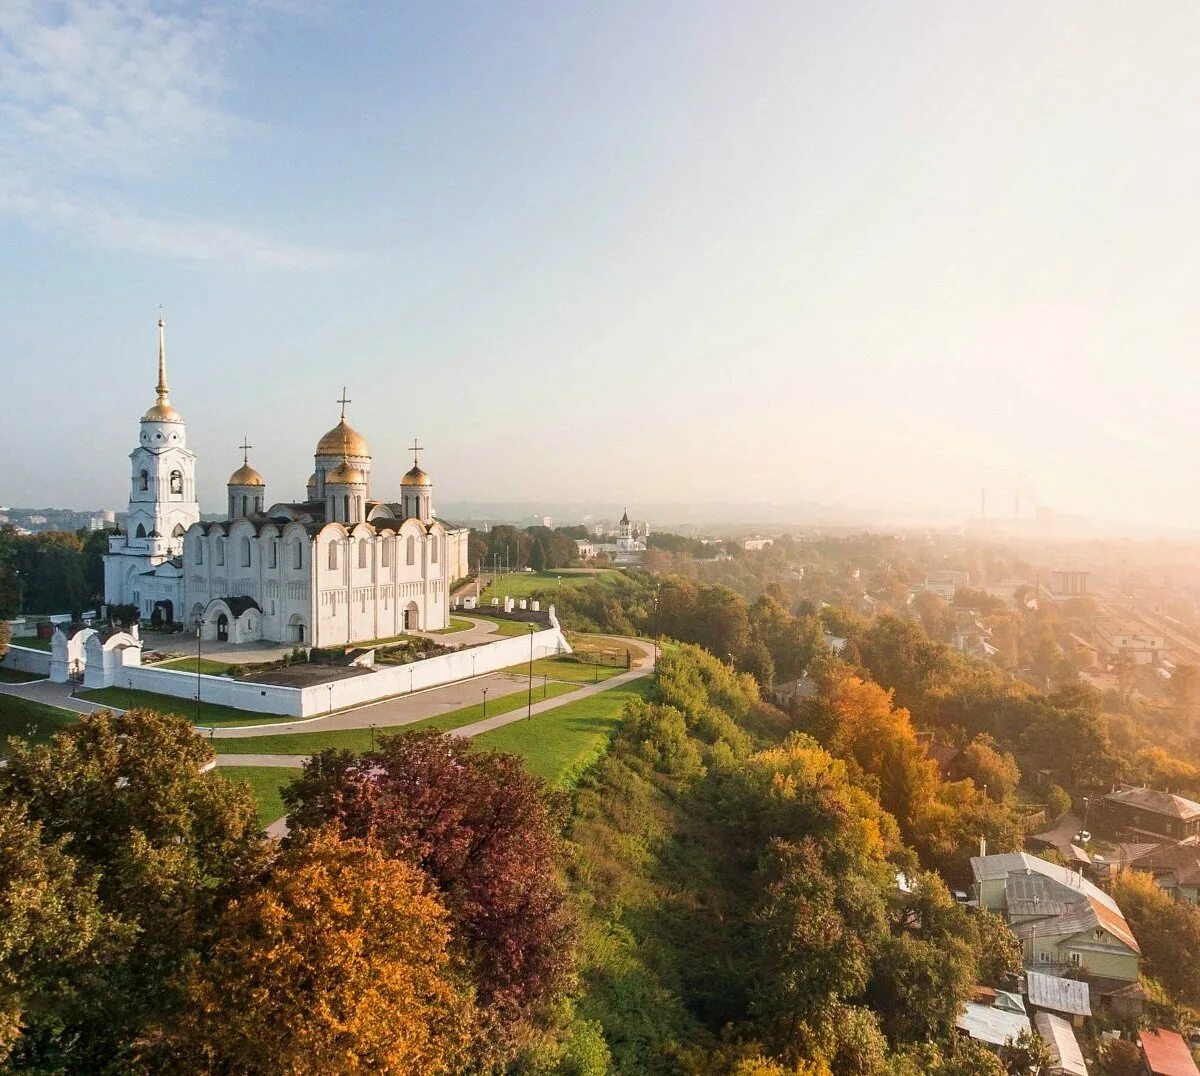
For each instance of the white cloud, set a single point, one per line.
(101, 92)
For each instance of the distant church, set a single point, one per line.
(337, 567)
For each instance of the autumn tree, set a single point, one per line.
(485, 831)
(338, 962)
(1167, 930)
(991, 769)
(162, 842)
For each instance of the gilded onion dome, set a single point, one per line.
(345, 474)
(415, 477)
(246, 475)
(342, 440)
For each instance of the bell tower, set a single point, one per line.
(162, 494)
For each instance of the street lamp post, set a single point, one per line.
(655, 631)
(199, 637)
(529, 710)
(330, 686)
(129, 687)
(372, 737)
(485, 691)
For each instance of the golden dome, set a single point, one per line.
(415, 477)
(246, 475)
(345, 474)
(343, 441)
(162, 412)
(312, 480)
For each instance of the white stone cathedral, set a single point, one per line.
(336, 567)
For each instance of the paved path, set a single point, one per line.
(52, 694)
(480, 631)
(402, 710)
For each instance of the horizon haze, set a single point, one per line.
(692, 254)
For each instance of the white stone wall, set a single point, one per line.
(384, 682)
(24, 659)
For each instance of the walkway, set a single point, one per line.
(475, 729)
(51, 694)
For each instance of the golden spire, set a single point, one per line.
(164, 392)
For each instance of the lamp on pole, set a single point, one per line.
(655, 631)
(129, 687)
(199, 637)
(485, 691)
(330, 686)
(529, 709)
(372, 727)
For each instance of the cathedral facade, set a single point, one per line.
(335, 567)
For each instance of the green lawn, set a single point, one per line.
(306, 743)
(210, 712)
(563, 668)
(504, 627)
(31, 643)
(266, 782)
(524, 584)
(30, 720)
(15, 676)
(561, 744)
(456, 624)
(207, 667)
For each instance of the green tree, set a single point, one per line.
(127, 798)
(1167, 930)
(53, 935)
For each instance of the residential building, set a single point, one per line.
(1175, 869)
(1149, 811)
(1066, 1058)
(1164, 1053)
(1066, 924)
(1117, 637)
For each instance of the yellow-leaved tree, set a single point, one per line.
(337, 963)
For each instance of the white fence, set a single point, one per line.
(384, 682)
(26, 659)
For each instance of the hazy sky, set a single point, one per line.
(881, 254)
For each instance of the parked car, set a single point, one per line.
(1082, 837)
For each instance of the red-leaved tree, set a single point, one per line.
(485, 831)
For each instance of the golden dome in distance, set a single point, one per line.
(246, 475)
(342, 440)
(345, 474)
(162, 412)
(415, 477)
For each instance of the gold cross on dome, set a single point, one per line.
(415, 448)
(343, 401)
(245, 446)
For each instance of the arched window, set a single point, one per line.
(258, 505)
(273, 554)
(385, 553)
(141, 531)
(362, 552)
(176, 482)
(220, 552)
(433, 550)
(332, 555)
(245, 552)
(412, 550)
(297, 554)
(199, 550)
(178, 531)
(346, 507)
(245, 505)
(144, 481)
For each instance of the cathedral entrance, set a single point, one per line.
(412, 617)
(162, 613)
(222, 628)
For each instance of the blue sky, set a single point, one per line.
(880, 254)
